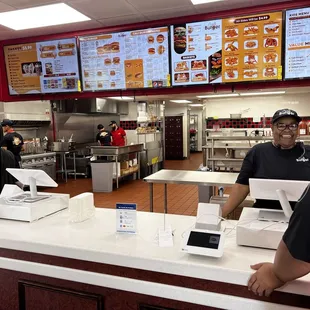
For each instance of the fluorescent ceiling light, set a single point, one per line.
(196, 105)
(263, 93)
(196, 2)
(41, 16)
(122, 98)
(181, 101)
(218, 96)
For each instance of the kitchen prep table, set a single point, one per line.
(199, 178)
(117, 153)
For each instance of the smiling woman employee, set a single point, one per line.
(281, 159)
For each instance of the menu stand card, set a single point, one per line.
(126, 218)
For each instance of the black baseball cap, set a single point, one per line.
(7, 122)
(112, 123)
(100, 126)
(285, 113)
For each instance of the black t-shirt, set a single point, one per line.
(265, 161)
(14, 142)
(297, 236)
(104, 137)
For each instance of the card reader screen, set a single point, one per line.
(204, 240)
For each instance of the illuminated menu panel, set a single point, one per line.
(137, 59)
(238, 49)
(297, 49)
(252, 48)
(42, 67)
(197, 53)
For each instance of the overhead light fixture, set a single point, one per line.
(196, 2)
(41, 16)
(181, 101)
(196, 105)
(122, 98)
(218, 96)
(263, 93)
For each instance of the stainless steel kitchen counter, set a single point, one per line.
(40, 155)
(116, 150)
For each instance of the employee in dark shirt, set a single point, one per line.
(118, 135)
(103, 136)
(12, 141)
(282, 158)
(292, 260)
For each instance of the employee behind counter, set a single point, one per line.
(118, 135)
(281, 159)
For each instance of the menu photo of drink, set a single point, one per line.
(252, 48)
(136, 59)
(42, 67)
(197, 53)
(297, 49)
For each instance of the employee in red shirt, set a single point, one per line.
(118, 135)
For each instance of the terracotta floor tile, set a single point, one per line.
(182, 199)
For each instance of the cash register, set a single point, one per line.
(265, 228)
(16, 204)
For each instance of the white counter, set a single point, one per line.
(95, 240)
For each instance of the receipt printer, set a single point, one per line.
(208, 217)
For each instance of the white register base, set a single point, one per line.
(30, 212)
(255, 233)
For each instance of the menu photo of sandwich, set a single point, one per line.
(116, 61)
(250, 44)
(231, 33)
(151, 39)
(270, 72)
(271, 42)
(215, 66)
(271, 29)
(160, 38)
(181, 77)
(231, 74)
(270, 57)
(250, 74)
(161, 49)
(151, 51)
(199, 76)
(181, 66)
(198, 65)
(250, 31)
(180, 39)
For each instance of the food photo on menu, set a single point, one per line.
(31, 69)
(215, 66)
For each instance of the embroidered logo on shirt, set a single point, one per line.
(302, 160)
(16, 141)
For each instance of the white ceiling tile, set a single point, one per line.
(100, 9)
(5, 35)
(183, 11)
(151, 6)
(20, 4)
(122, 20)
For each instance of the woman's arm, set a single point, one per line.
(238, 193)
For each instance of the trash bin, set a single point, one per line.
(102, 176)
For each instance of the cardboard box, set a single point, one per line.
(125, 165)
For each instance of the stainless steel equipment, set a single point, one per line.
(62, 146)
(118, 154)
(44, 161)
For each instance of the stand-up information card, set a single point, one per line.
(126, 218)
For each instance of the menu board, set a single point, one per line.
(252, 47)
(197, 53)
(297, 48)
(42, 67)
(137, 59)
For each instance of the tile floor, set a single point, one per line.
(182, 199)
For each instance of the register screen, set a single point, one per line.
(204, 240)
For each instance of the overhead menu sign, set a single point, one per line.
(197, 53)
(42, 67)
(297, 48)
(137, 59)
(238, 49)
(252, 47)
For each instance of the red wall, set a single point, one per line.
(4, 94)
